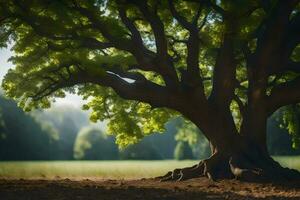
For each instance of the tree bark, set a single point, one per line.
(235, 155)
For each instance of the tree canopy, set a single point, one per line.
(140, 63)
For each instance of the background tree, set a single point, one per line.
(140, 63)
(22, 137)
(282, 132)
(156, 145)
(67, 122)
(92, 144)
(189, 135)
(183, 151)
(144, 150)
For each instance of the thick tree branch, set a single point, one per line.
(144, 56)
(193, 78)
(141, 89)
(145, 91)
(135, 34)
(284, 94)
(157, 28)
(164, 61)
(120, 43)
(291, 39)
(217, 8)
(271, 45)
(269, 54)
(224, 80)
(181, 20)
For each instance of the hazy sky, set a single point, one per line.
(73, 100)
(4, 65)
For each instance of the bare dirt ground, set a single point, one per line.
(148, 189)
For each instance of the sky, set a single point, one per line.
(70, 99)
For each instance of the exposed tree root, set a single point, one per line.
(212, 167)
(223, 167)
(184, 173)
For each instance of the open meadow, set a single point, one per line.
(89, 169)
(107, 180)
(134, 169)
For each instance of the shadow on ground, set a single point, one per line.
(200, 189)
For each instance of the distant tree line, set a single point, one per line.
(22, 138)
(65, 133)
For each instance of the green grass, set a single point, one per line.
(289, 161)
(89, 169)
(104, 169)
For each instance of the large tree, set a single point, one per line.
(224, 65)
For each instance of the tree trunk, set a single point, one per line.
(234, 156)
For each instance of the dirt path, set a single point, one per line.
(200, 189)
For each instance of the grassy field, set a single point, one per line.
(89, 169)
(104, 169)
(289, 161)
